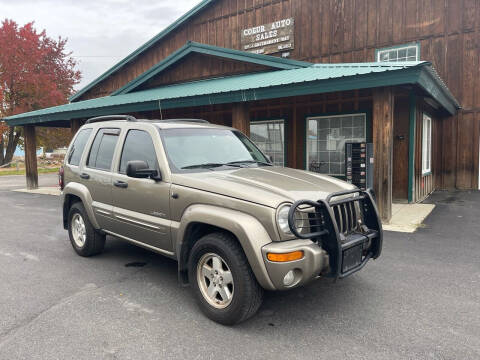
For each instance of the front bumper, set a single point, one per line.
(338, 243)
(313, 263)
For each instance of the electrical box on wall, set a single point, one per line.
(359, 164)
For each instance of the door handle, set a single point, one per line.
(85, 176)
(120, 184)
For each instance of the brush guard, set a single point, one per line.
(348, 229)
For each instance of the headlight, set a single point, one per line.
(282, 219)
(300, 218)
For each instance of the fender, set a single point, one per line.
(73, 188)
(247, 229)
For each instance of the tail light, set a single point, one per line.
(61, 182)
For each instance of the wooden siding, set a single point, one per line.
(448, 32)
(424, 185)
(199, 66)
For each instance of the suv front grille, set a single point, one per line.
(346, 217)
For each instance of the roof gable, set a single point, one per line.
(181, 20)
(191, 47)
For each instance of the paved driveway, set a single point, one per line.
(420, 300)
(10, 182)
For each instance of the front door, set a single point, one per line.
(401, 123)
(141, 206)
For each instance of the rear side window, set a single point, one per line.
(78, 146)
(103, 147)
(138, 146)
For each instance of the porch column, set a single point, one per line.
(75, 125)
(31, 171)
(241, 117)
(383, 104)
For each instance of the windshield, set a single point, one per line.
(209, 149)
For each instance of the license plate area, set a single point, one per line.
(352, 257)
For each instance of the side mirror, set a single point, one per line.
(139, 169)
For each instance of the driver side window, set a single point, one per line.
(138, 146)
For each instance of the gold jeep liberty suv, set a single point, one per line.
(206, 196)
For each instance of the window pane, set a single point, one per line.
(384, 56)
(426, 144)
(407, 53)
(78, 147)
(269, 137)
(138, 146)
(103, 147)
(327, 154)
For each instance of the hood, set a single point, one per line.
(269, 186)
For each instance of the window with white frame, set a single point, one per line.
(427, 145)
(409, 52)
(269, 136)
(326, 138)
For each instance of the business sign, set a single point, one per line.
(274, 37)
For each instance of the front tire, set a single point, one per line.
(222, 280)
(86, 241)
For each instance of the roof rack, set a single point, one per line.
(111, 117)
(201, 121)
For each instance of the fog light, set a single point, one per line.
(289, 278)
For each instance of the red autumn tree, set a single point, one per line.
(36, 72)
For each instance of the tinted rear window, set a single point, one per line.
(78, 146)
(103, 147)
(138, 146)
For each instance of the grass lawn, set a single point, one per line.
(22, 171)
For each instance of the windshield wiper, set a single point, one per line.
(209, 165)
(249, 162)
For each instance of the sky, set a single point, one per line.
(100, 33)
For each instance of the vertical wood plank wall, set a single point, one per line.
(426, 184)
(448, 32)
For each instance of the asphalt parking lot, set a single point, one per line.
(420, 300)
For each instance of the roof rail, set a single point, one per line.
(185, 120)
(111, 117)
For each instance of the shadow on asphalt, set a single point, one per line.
(321, 299)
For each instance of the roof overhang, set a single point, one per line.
(317, 79)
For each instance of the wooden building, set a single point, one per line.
(302, 77)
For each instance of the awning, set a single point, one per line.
(315, 79)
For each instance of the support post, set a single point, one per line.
(241, 117)
(75, 125)
(31, 171)
(411, 146)
(383, 106)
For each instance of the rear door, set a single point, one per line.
(97, 177)
(141, 206)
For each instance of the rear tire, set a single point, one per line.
(222, 281)
(86, 241)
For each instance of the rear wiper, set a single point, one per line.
(249, 162)
(208, 165)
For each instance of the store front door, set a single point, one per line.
(400, 150)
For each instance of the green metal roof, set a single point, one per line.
(194, 47)
(319, 78)
(144, 47)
